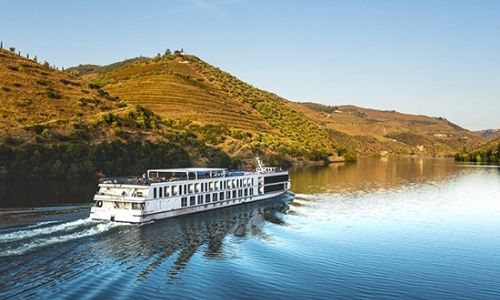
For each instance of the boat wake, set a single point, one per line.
(27, 233)
(22, 241)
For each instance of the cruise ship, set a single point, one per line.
(165, 193)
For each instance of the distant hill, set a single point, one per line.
(91, 69)
(371, 131)
(490, 134)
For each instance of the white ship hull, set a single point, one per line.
(141, 201)
(137, 216)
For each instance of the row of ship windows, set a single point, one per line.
(185, 189)
(207, 198)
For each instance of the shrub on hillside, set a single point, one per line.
(214, 134)
(53, 94)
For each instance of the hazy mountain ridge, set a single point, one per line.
(490, 134)
(371, 131)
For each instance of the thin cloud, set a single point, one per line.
(214, 7)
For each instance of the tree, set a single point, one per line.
(168, 52)
(46, 64)
(35, 59)
(1, 44)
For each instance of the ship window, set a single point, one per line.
(225, 184)
(200, 199)
(241, 182)
(234, 194)
(221, 196)
(184, 201)
(197, 187)
(136, 206)
(273, 188)
(240, 193)
(202, 187)
(246, 192)
(161, 192)
(191, 188)
(215, 197)
(154, 193)
(185, 189)
(192, 200)
(211, 186)
(166, 191)
(228, 195)
(251, 191)
(174, 190)
(207, 198)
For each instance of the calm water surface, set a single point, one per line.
(380, 229)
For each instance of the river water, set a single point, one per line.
(377, 229)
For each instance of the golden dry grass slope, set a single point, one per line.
(34, 94)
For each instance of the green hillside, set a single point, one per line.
(179, 86)
(75, 122)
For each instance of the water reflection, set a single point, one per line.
(153, 244)
(39, 254)
(371, 174)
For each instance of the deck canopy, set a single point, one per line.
(185, 173)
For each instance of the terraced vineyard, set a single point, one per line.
(179, 86)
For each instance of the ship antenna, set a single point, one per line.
(260, 166)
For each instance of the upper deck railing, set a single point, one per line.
(180, 176)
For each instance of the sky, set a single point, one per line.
(432, 57)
